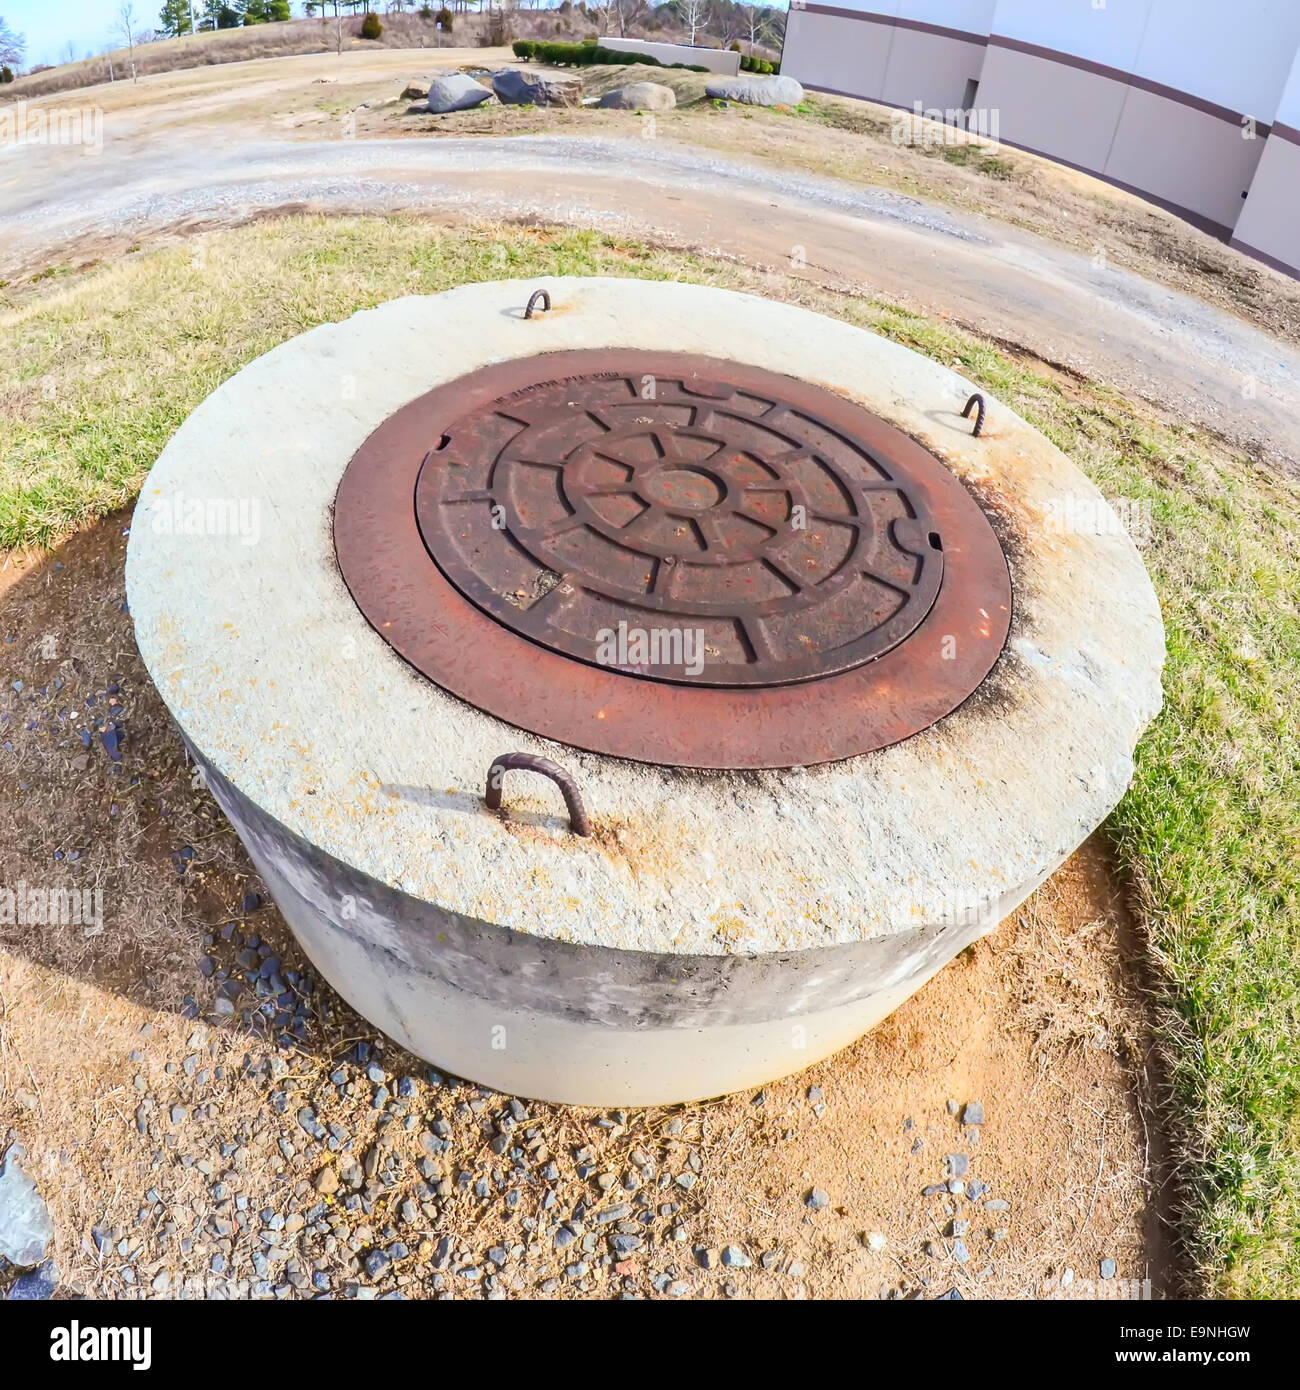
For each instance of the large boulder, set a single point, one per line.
(516, 88)
(641, 96)
(757, 91)
(454, 91)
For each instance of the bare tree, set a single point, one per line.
(12, 45)
(126, 27)
(627, 13)
(756, 25)
(602, 11)
(694, 15)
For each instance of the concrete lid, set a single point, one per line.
(276, 678)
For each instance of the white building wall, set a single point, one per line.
(1236, 54)
(968, 16)
(1288, 106)
(1269, 225)
(1111, 36)
(1147, 93)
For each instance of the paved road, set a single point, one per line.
(1180, 354)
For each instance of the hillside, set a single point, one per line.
(320, 36)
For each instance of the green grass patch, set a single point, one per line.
(103, 368)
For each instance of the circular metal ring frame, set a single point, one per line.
(436, 590)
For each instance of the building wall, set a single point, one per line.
(902, 51)
(1172, 99)
(1269, 225)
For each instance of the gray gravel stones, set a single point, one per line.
(455, 91)
(957, 1164)
(735, 1258)
(1109, 1268)
(816, 1199)
(36, 1286)
(25, 1226)
(973, 1113)
(756, 91)
(640, 96)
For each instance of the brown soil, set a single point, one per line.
(1037, 1022)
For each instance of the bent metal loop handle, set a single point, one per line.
(976, 401)
(533, 298)
(528, 762)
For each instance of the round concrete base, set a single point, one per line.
(721, 928)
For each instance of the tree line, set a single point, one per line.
(728, 20)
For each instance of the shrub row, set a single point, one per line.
(748, 64)
(586, 53)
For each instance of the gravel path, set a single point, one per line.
(1174, 351)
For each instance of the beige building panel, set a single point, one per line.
(1051, 107)
(839, 55)
(1269, 225)
(930, 68)
(1189, 158)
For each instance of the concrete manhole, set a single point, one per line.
(827, 683)
(653, 521)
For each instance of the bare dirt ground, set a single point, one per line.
(170, 1131)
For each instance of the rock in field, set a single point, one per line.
(519, 89)
(641, 96)
(454, 91)
(25, 1225)
(757, 91)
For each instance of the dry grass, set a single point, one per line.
(240, 45)
(243, 45)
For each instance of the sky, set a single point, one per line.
(49, 25)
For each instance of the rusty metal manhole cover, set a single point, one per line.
(674, 559)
